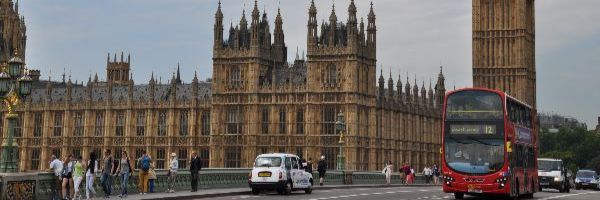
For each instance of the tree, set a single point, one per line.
(577, 147)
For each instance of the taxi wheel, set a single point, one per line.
(255, 191)
(288, 188)
(308, 190)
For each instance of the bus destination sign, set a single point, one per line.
(472, 129)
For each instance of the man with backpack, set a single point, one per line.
(144, 166)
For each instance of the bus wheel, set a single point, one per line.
(459, 195)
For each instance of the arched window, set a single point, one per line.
(162, 123)
(183, 123)
(331, 75)
(235, 76)
(141, 123)
(99, 129)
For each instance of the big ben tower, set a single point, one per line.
(504, 47)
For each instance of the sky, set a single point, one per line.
(414, 37)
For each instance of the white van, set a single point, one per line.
(280, 172)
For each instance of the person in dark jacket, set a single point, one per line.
(309, 168)
(322, 168)
(195, 167)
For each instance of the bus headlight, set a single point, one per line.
(448, 180)
(502, 181)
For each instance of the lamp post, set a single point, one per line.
(340, 126)
(15, 84)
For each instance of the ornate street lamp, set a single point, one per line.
(340, 126)
(15, 84)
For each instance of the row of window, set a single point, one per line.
(234, 76)
(57, 125)
(265, 121)
(235, 120)
(519, 113)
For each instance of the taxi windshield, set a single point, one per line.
(267, 162)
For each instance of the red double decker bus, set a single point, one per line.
(489, 144)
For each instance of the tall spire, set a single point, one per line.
(255, 26)
(333, 26)
(279, 35)
(218, 27)
(371, 29)
(312, 25)
(352, 24)
(255, 13)
(352, 13)
(178, 78)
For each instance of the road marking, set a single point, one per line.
(568, 195)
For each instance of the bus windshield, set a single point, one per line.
(473, 155)
(474, 105)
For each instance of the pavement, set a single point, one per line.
(354, 192)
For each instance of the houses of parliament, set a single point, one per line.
(256, 102)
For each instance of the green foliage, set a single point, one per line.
(578, 147)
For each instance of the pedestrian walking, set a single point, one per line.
(90, 175)
(304, 164)
(67, 176)
(436, 174)
(144, 166)
(56, 167)
(172, 173)
(427, 172)
(78, 174)
(387, 170)
(195, 167)
(309, 167)
(124, 171)
(107, 169)
(406, 171)
(151, 178)
(322, 168)
(412, 175)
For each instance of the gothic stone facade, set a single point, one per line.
(504, 47)
(255, 103)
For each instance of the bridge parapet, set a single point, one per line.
(41, 185)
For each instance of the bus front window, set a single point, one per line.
(474, 156)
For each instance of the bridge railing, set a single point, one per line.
(42, 185)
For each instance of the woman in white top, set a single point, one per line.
(90, 175)
(173, 166)
(388, 172)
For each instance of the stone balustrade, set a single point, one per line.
(41, 185)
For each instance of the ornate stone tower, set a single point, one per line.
(343, 57)
(504, 47)
(243, 66)
(12, 30)
(117, 71)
